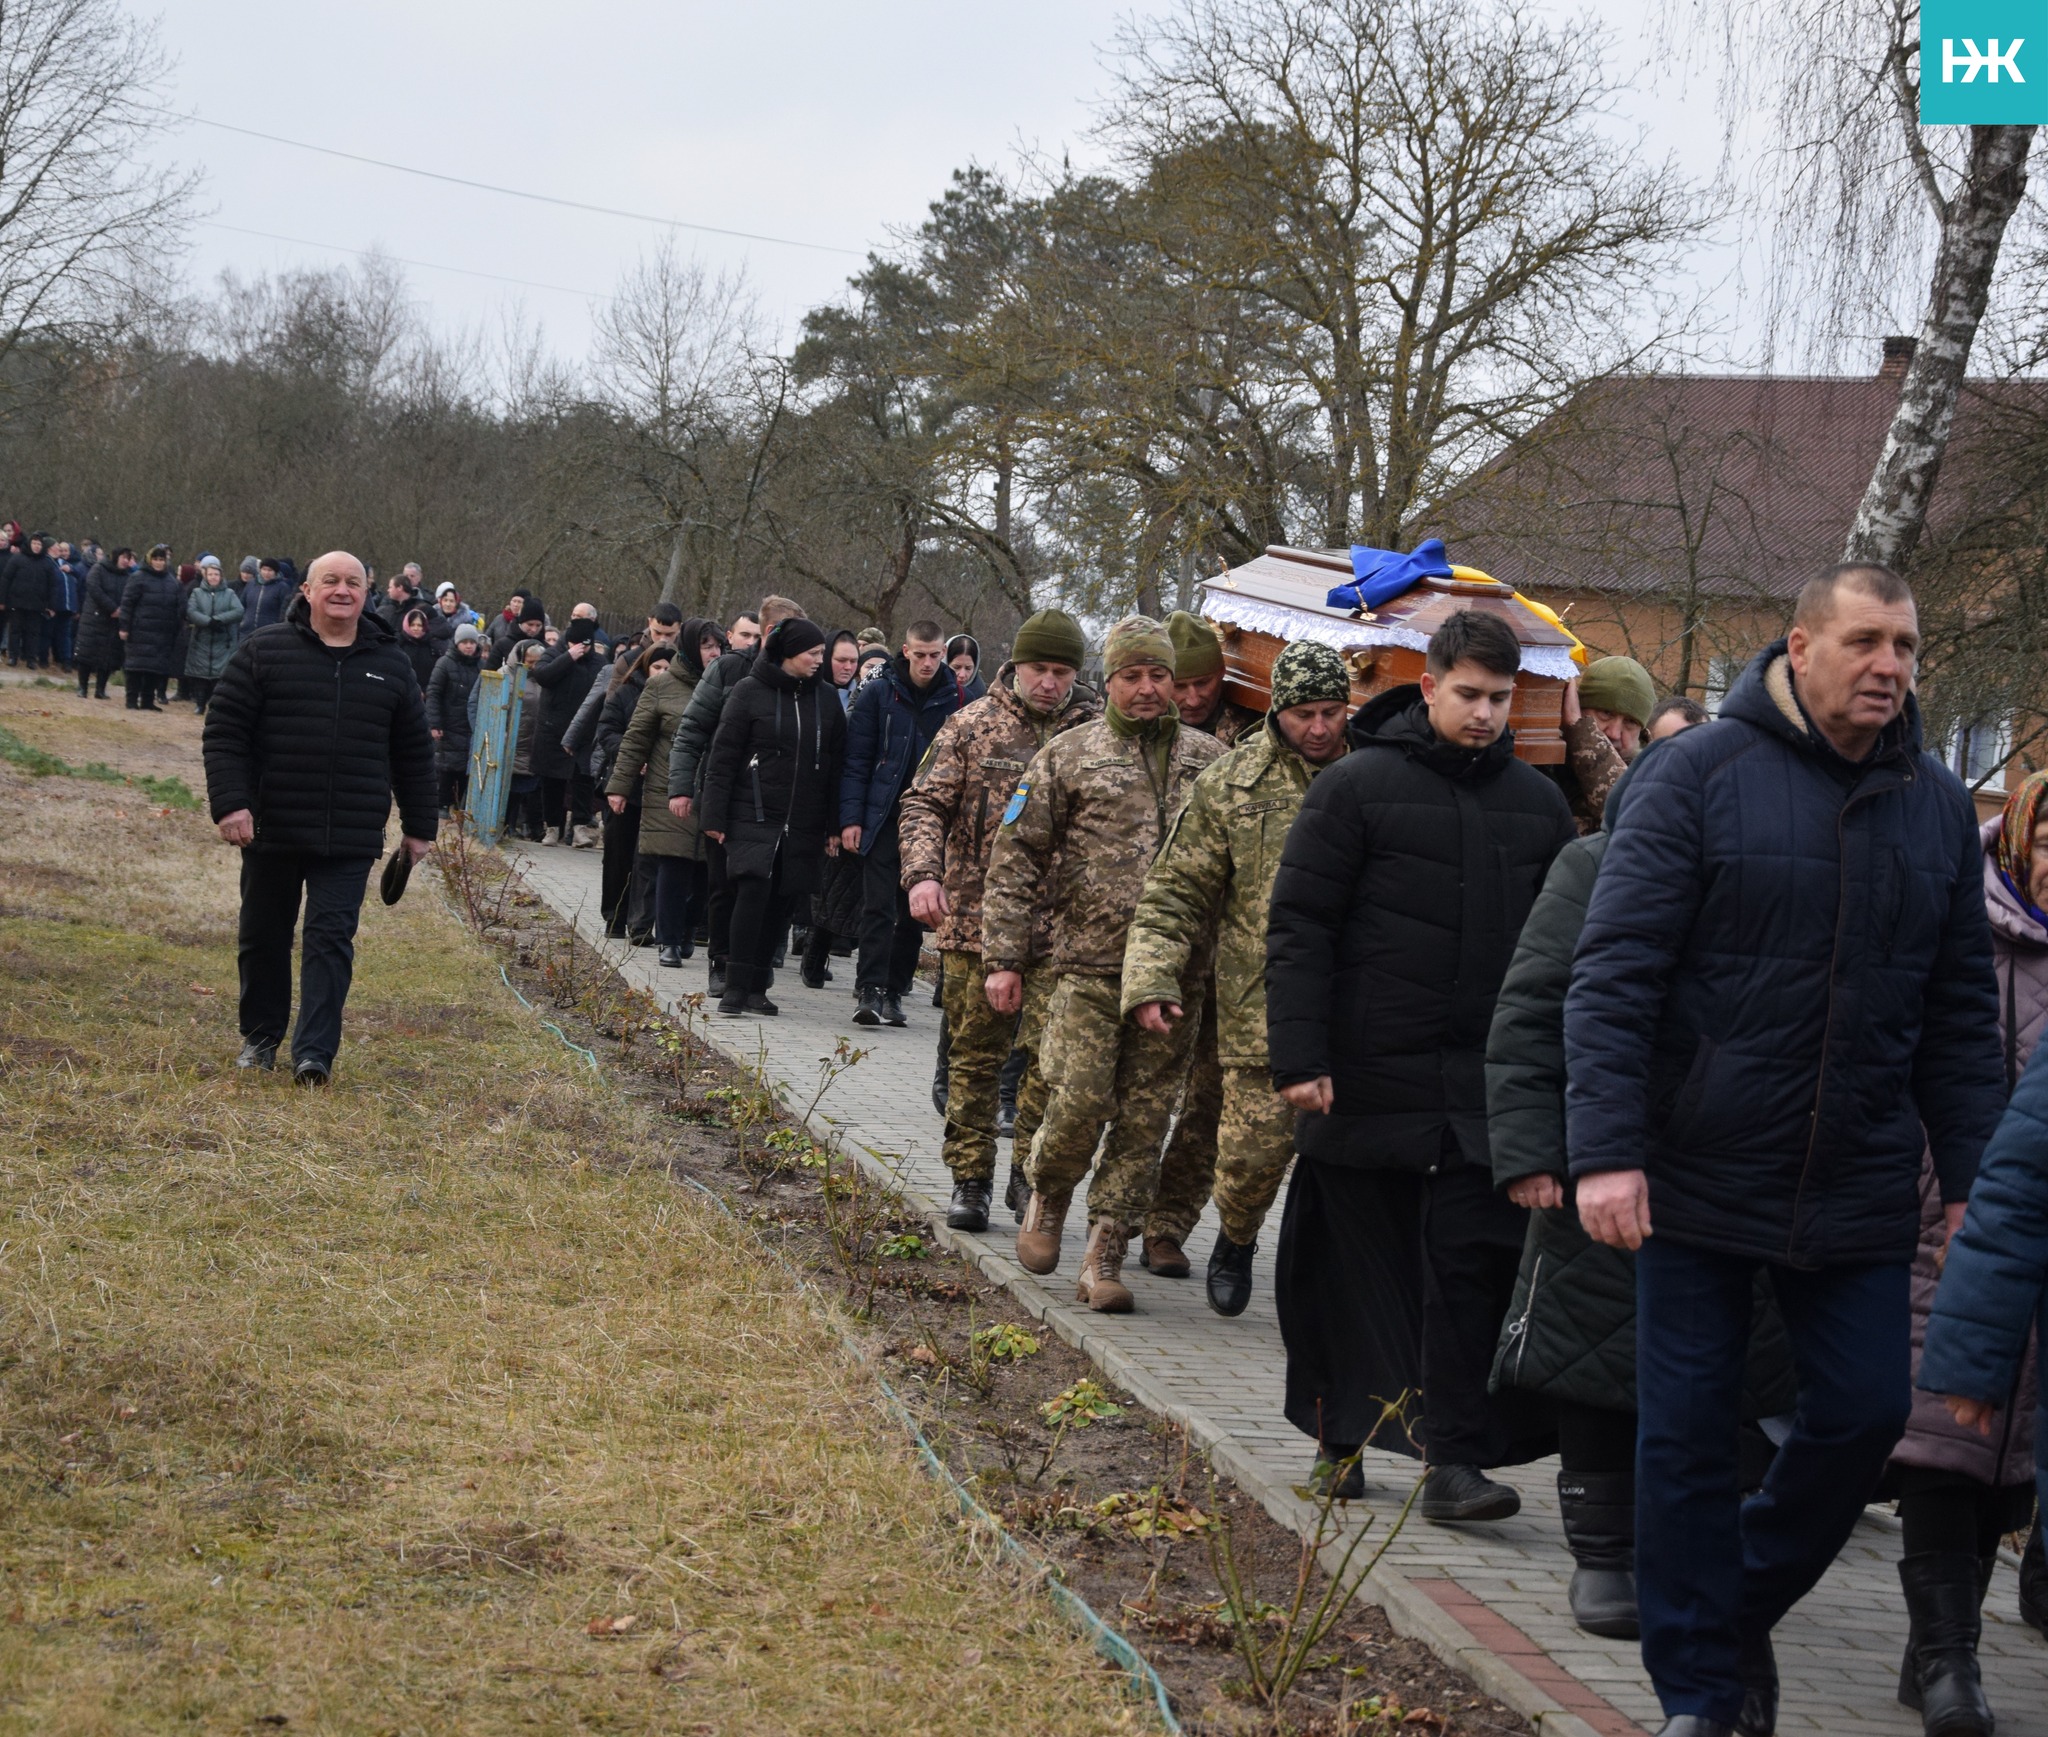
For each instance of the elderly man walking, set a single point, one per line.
(314, 727)
(1782, 994)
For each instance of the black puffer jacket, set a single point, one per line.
(99, 637)
(1570, 1331)
(613, 715)
(563, 683)
(314, 742)
(448, 690)
(1403, 885)
(1785, 973)
(31, 583)
(772, 775)
(153, 617)
(421, 654)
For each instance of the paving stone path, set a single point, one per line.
(1490, 1599)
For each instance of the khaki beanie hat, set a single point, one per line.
(1136, 639)
(1050, 636)
(1619, 684)
(1197, 647)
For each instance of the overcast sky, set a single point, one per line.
(823, 123)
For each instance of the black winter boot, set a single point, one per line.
(1939, 1679)
(1599, 1513)
(1229, 1279)
(2034, 1582)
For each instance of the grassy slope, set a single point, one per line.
(356, 1409)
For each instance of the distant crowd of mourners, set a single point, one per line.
(1669, 1110)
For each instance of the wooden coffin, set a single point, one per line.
(1261, 606)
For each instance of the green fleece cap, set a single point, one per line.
(1050, 636)
(1619, 684)
(1136, 639)
(1197, 647)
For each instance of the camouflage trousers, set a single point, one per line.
(1254, 1145)
(980, 1042)
(1106, 1074)
(1188, 1170)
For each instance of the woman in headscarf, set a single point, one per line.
(1961, 1489)
(963, 658)
(771, 798)
(666, 847)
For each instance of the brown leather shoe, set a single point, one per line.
(1102, 1286)
(1164, 1258)
(1038, 1239)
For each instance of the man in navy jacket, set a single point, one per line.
(891, 724)
(1785, 975)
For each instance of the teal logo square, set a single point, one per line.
(1984, 62)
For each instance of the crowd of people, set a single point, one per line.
(1628, 1110)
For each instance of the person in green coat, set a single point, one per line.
(1570, 1332)
(214, 612)
(640, 774)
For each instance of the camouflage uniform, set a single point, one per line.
(1596, 767)
(1232, 723)
(947, 829)
(1211, 885)
(1085, 823)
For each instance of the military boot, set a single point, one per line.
(1163, 1257)
(1038, 1239)
(1102, 1285)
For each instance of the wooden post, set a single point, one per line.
(491, 748)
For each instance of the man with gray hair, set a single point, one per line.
(315, 726)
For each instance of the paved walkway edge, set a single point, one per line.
(1410, 1610)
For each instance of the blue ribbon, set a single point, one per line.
(1380, 575)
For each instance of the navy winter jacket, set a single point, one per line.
(1785, 971)
(1991, 1289)
(887, 731)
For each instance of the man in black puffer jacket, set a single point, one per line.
(316, 724)
(1401, 892)
(1785, 975)
(34, 590)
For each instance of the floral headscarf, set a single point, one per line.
(2016, 841)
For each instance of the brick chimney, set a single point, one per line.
(1898, 352)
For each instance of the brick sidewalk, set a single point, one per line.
(1489, 1599)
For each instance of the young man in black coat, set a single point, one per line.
(315, 726)
(1402, 889)
(1782, 998)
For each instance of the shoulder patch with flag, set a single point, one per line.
(1015, 806)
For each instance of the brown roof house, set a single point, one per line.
(1675, 517)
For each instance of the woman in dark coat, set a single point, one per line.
(963, 658)
(416, 641)
(98, 651)
(622, 771)
(152, 618)
(834, 918)
(771, 798)
(564, 677)
(448, 691)
(1570, 1333)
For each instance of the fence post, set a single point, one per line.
(491, 749)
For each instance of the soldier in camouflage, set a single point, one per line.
(1086, 822)
(1189, 1165)
(950, 815)
(1206, 895)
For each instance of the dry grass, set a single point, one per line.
(361, 1410)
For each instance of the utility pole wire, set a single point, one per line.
(520, 192)
(421, 264)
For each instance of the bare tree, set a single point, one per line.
(83, 222)
(1433, 196)
(1867, 202)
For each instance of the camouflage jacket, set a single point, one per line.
(956, 800)
(1232, 723)
(1084, 825)
(1210, 887)
(1596, 767)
